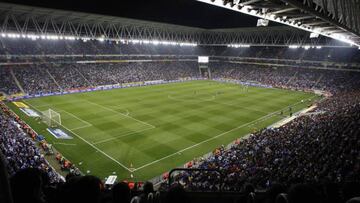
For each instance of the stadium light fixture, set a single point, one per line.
(293, 46)
(13, 35)
(238, 45)
(69, 38)
(52, 37)
(155, 42)
(85, 39)
(188, 44)
(135, 41)
(101, 39)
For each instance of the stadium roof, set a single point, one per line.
(26, 20)
(180, 12)
(57, 14)
(336, 19)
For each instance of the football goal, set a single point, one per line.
(51, 118)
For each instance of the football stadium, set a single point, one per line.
(185, 101)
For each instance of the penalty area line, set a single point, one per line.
(81, 127)
(87, 123)
(93, 146)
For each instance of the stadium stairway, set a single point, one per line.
(16, 81)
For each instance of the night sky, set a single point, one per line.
(181, 12)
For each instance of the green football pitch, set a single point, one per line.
(146, 131)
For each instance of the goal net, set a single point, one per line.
(51, 118)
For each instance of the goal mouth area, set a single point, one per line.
(51, 118)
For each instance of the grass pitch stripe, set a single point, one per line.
(204, 141)
(76, 117)
(120, 136)
(87, 142)
(207, 140)
(81, 127)
(179, 124)
(112, 110)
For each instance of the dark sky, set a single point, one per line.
(181, 12)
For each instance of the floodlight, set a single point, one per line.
(238, 45)
(155, 42)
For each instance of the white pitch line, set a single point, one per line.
(120, 136)
(197, 144)
(127, 111)
(41, 106)
(78, 128)
(104, 107)
(93, 146)
(89, 124)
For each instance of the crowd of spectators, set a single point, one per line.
(46, 78)
(300, 54)
(56, 77)
(7, 82)
(35, 79)
(18, 147)
(316, 148)
(288, 77)
(93, 47)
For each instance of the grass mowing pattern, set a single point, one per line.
(149, 130)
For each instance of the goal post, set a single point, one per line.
(51, 118)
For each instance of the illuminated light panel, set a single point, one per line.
(293, 46)
(101, 39)
(238, 45)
